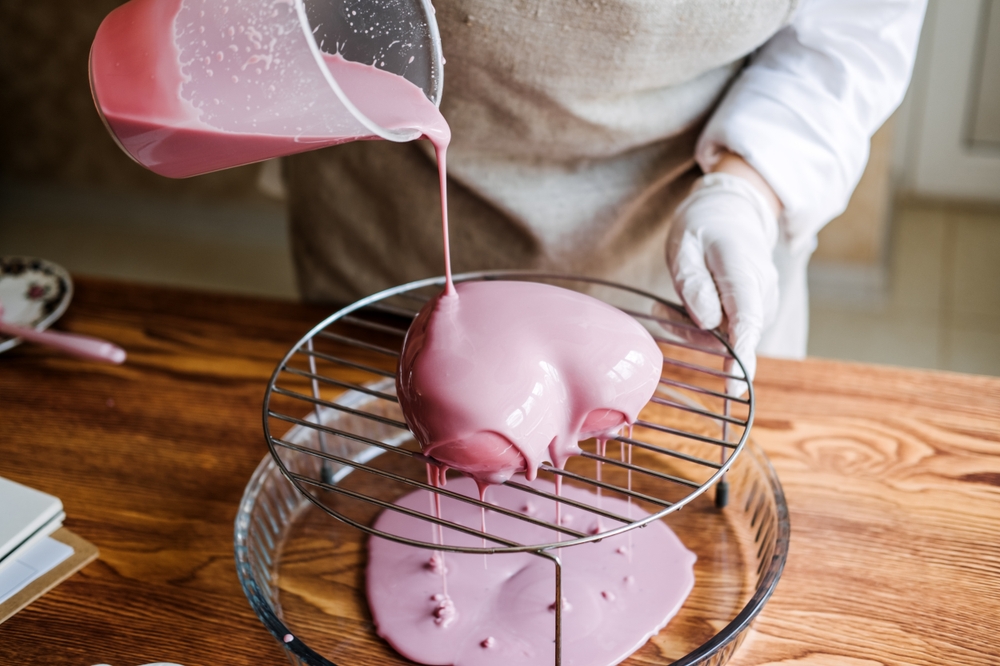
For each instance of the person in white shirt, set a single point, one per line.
(594, 137)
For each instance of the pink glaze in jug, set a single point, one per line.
(191, 86)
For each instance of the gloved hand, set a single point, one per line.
(719, 251)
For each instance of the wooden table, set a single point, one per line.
(892, 478)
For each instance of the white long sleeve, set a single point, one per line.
(803, 112)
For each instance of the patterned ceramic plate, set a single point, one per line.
(34, 292)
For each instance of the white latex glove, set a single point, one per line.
(719, 251)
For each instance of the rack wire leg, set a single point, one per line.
(558, 603)
(326, 473)
(722, 487)
(559, 610)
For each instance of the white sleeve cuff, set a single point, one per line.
(803, 112)
(812, 162)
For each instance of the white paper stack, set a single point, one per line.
(27, 518)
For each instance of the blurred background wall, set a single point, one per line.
(51, 132)
(909, 275)
(69, 194)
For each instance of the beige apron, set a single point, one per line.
(574, 124)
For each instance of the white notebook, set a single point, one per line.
(26, 517)
(31, 563)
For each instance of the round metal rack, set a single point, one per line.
(685, 441)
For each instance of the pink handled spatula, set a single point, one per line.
(71, 343)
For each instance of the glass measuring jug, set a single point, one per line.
(191, 86)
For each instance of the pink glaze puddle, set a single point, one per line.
(613, 603)
(509, 375)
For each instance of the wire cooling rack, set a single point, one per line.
(358, 347)
(685, 440)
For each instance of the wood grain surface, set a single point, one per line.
(892, 478)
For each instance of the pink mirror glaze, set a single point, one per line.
(504, 376)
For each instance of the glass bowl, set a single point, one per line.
(303, 525)
(303, 571)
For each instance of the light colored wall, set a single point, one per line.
(937, 155)
(985, 125)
